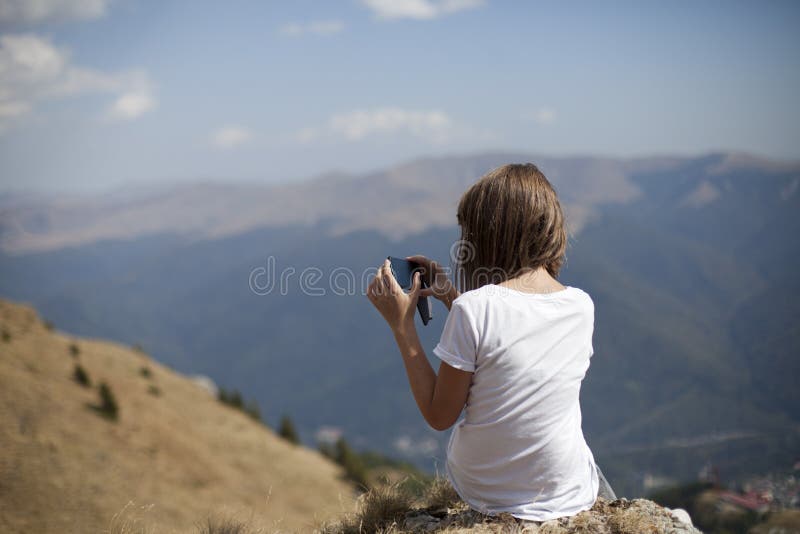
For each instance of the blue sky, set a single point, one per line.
(102, 94)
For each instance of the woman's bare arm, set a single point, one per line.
(440, 398)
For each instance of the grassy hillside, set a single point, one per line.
(174, 451)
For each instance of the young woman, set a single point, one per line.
(515, 347)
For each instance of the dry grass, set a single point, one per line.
(63, 469)
(377, 510)
(441, 494)
(631, 522)
(227, 525)
(129, 520)
(133, 519)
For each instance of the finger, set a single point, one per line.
(425, 267)
(385, 269)
(422, 260)
(427, 292)
(416, 285)
(380, 285)
(372, 289)
(440, 276)
(392, 285)
(391, 282)
(385, 277)
(385, 273)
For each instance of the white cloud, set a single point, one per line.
(319, 27)
(132, 104)
(32, 69)
(358, 124)
(13, 109)
(231, 136)
(32, 11)
(419, 9)
(306, 135)
(543, 116)
(432, 125)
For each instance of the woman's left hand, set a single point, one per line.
(396, 306)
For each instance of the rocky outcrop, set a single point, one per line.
(621, 516)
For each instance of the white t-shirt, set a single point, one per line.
(520, 448)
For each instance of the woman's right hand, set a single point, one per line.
(439, 285)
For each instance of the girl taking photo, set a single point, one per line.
(514, 349)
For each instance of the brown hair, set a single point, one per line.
(511, 222)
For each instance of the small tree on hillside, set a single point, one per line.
(231, 398)
(287, 430)
(81, 376)
(108, 403)
(327, 450)
(74, 350)
(235, 399)
(353, 466)
(253, 411)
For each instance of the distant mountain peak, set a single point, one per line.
(400, 201)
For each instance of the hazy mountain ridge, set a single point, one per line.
(685, 340)
(423, 195)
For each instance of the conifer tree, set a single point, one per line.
(287, 431)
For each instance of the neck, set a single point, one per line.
(536, 281)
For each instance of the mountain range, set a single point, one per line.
(691, 263)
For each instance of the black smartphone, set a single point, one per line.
(403, 271)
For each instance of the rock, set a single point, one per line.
(681, 515)
(206, 383)
(421, 522)
(621, 516)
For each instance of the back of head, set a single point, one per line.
(511, 223)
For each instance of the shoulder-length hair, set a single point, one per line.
(511, 222)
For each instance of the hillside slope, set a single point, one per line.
(174, 450)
